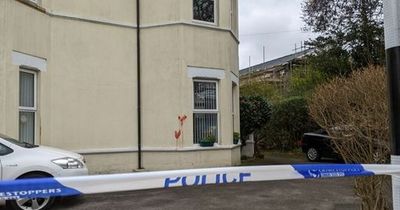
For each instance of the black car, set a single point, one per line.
(317, 145)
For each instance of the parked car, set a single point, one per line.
(317, 145)
(20, 160)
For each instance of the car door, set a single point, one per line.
(324, 142)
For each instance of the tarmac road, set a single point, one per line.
(325, 194)
(329, 194)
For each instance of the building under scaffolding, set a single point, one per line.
(277, 71)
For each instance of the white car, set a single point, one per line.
(19, 160)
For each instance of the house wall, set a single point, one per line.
(115, 11)
(24, 30)
(2, 68)
(179, 47)
(192, 159)
(87, 96)
(157, 159)
(92, 74)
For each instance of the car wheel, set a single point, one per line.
(313, 154)
(31, 204)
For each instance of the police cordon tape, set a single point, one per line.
(72, 186)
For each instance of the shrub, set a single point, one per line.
(354, 111)
(255, 112)
(289, 120)
(304, 80)
(263, 89)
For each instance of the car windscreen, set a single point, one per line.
(16, 142)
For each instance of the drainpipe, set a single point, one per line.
(392, 46)
(139, 96)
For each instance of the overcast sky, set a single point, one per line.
(275, 24)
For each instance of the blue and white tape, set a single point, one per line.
(69, 186)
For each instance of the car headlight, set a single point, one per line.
(68, 163)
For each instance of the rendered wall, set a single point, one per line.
(93, 86)
(87, 97)
(191, 159)
(2, 68)
(118, 11)
(23, 30)
(170, 50)
(163, 160)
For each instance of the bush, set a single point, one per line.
(255, 112)
(289, 120)
(304, 80)
(354, 111)
(263, 89)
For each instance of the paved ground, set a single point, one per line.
(282, 195)
(329, 194)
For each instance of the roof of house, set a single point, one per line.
(276, 62)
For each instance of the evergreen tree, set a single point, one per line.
(350, 34)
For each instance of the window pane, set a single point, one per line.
(204, 125)
(205, 95)
(204, 10)
(26, 89)
(27, 127)
(4, 150)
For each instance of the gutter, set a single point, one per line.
(139, 96)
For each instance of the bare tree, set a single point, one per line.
(354, 111)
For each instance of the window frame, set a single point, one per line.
(216, 9)
(216, 96)
(33, 109)
(208, 111)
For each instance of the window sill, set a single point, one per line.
(200, 22)
(197, 147)
(32, 5)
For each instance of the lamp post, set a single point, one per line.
(392, 46)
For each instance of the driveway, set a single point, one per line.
(327, 194)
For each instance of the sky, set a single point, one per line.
(275, 24)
